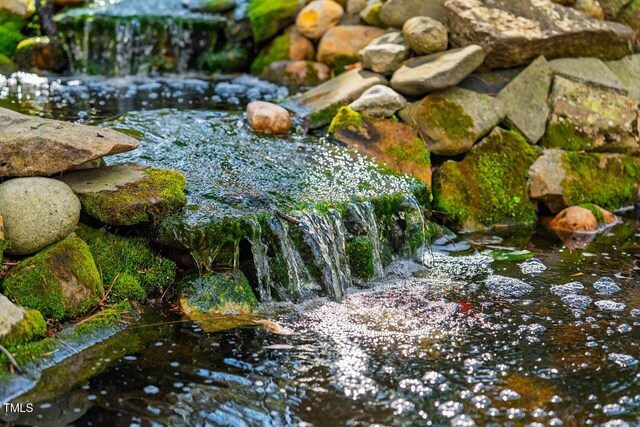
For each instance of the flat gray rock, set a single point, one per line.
(591, 71)
(379, 101)
(525, 100)
(514, 32)
(32, 146)
(438, 71)
(627, 70)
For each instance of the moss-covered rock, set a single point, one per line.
(32, 327)
(360, 253)
(7, 66)
(268, 18)
(277, 50)
(41, 53)
(10, 32)
(129, 268)
(128, 194)
(488, 188)
(228, 292)
(389, 142)
(61, 282)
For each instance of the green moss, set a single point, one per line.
(341, 63)
(161, 192)
(440, 113)
(4, 244)
(219, 292)
(564, 135)
(217, 6)
(278, 50)
(345, 118)
(10, 32)
(128, 267)
(360, 254)
(6, 65)
(595, 210)
(607, 181)
(415, 151)
(268, 17)
(62, 281)
(31, 328)
(231, 59)
(489, 187)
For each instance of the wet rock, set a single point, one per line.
(18, 325)
(222, 293)
(41, 53)
(341, 45)
(31, 146)
(589, 71)
(127, 194)
(210, 6)
(379, 101)
(514, 32)
(396, 12)
(451, 121)
(389, 142)
(317, 17)
(627, 70)
(268, 18)
(425, 35)
(267, 117)
(61, 282)
(289, 46)
(586, 118)
(474, 199)
(608, 305)
(525, 100)
(320, 104)
(438, 71)
(560, 179)
(582, 219)
(370, 14)
(383, 58)
(297, 73)
(37, 212)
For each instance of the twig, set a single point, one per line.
(287, 218)
(68, 346)
(12, 359)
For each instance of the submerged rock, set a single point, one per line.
(267, 117)
(426, 74)
(221, 293)
(127, 194)
(561, 178)
(582, 219)
(341, 45)
(396, 12)
(320, 104)
(586, 118)
(317, 17)
(514, 32)
(451, 121)
(37, 212)
(488, 188)
(525, 100)
(379, 101)
(32, 146)
(61, 282)
(389, 142)
(18, 325)
(425, 35)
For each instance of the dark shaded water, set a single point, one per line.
(543, 336)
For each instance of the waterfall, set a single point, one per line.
(365, 218)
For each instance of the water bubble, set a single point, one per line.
(151, 389)
(606, 286)
(508, 394)
(481, 401)
(462, 421)
(624, 360)
(624, 328)
(532, 266)
(577, 301)
(516, 413)
(609, 305)
(613, 409)
(616, 423)
(450, 408)
(507, 286)
(568, 289)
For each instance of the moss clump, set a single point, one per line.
(229, 291)
(145, 200)
(128, 267)
(360, 253)
(414, 150)
(609, 181)
(564, 135)
(278, 50)
(269, 17)
(345, 118)
(437, 112)
(61, 282)
(341, 63)
(489, 187)
(596, 211)
(32, 327)
(10, 32)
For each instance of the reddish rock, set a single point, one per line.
(578, 219)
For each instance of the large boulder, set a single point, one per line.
(320, 104)
(514, 32)
(587, 118)
(341, 45)
(37, 212)
(389, 142)
(525, 100)
(441, 70)
(19, 325)
(488, 188)
(630, 15)
(61, 282)
(32, 146)
(127, 194)
(425, 35)
(396, 12)
(451, 121)
(562, 178)
(317, 17)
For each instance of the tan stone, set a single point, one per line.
(300, 47)
(577, 219)
(346, 41)
(297, 73)
(425, 35)
(317, 17)
(268, 117)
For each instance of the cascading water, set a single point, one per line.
(364, 217)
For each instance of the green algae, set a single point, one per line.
(269, 17)
(129, 269)
(277, 50)
(61, 282)
(360, 254)
(489, 187)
